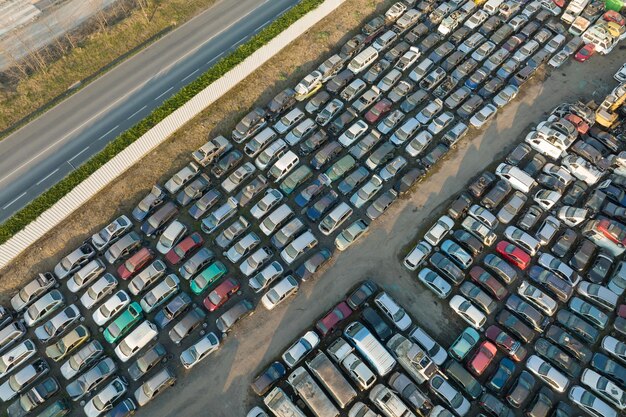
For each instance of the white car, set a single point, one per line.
(279, 292)
(16, 356)
(182, 177)
(483, 116)
(548, 373)
(301, 347)
(582, 169)
(393, 311)
(439, 230)
(559, 268)
(271, 198)
(266, 276)
(358, 371)
(537, 297)
(255, 261)
(542, 145)
(547, 198)
(468, 312)
(288, 120)
(419, 143)
(417, 255)
(505, 96)
(98, 290)
(238, 176)
(353, 133)
(522, 239)
(558, 172)
(244, 246)
(589, 402)
(476, 19)
(600, 295)
(620, 75)
(517, 178)
(449, 395)
(572, 216)
(162, 291)
(171, 236)
(408, 59)
(58, 324)
(614, 347)
(394, 166)
(605, 388)
(309, 84)
(111, 307)
(111, 233)
(440, 123)
(103, 401)
(208, 344)
(434, 350)
(484, 216)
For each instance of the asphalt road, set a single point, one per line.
(219, 386)
(37, 156)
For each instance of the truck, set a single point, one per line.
(574, 8)
(281, 405)
(305, 386)
(330, 377)
(606, 113)
(412, 358)
(210, 151)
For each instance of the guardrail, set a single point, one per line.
(155, 136)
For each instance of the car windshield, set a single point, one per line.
(66, 264)
(291, 251)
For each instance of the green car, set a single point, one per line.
(464, 343)
(297, 177)
(208, 277)
(123, 323)
(339, 168)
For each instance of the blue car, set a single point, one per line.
(124, 409)
(322, 205)
(309, 193)
(503, 374)
(177, 306)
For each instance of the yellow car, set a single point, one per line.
(68, 343)
(308, 86)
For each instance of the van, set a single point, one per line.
(385, 40)
(421, 70)
(276, 219)
(518, 179)
(405, 132)
(128, 243)
(270, 154)
(330, 377)
(492, 6)
(154, 386)
(219, 216)
(335, 218)
(370, 348)
(260, 141)
(11, 334)
(298, 247)
(85, 275)
(284, 165)
(363, 60)
(136, 340)
(156, 223)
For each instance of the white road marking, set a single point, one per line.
(190, 74)
(107, 133)
(48, 176)
(164, 93)
(79, 153)
(13, 201)
(135, 113)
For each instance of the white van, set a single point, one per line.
(270, 154)
(383, 41)
(335, 218)
(276, 219)
(371, 349)
(219, 216)
(492, 6)
(285, 164)
(518, 179)
(298, 247)
(136, 340)
(259, 142)
(363, 60)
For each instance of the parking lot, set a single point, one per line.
(257, 340)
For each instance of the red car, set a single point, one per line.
(327, 324)
(221, 294)
(560, 3)
(577, 121)
(614, 231)
(513, 348)
(379, 110)
(621, 311)
(613, 16)
(585, 52)
(513, 254)
(482, 358)
(488, 282)
(184, 248)
(135, 263)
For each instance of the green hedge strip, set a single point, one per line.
(46, 200)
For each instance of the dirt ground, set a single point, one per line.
(284, 70)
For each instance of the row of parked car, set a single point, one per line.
(548, 293)
(237, 194)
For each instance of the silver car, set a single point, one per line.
(32, 291)
(111, 233)
(91, 379)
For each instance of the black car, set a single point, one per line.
(460, 35)
(564, 243)
(520, 152)
(557, 357)
(530, 218)
(416, 33)
(266, 380)
(464, 379)
(341, 121)
(609, 367)
(527, 312)
(407, 180)
(490, 25)
(470, 106)
(497, 194)
(494, 406)
(583, 255)
(515, 325)
(281, 102)
(435, 155)
(571, 344)
(123, 409)
(226, 162)
(575, 193)
(601, 267)
(311, 265)
(578, 326)
(534, 166)
(468, 242)
(445, 265)
(376, 323)
(521, 390)
(542, 404)
(361, 294)
(459, 206)
(479, 186)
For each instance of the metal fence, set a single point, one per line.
(155, 136)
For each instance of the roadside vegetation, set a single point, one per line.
(110, 35)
